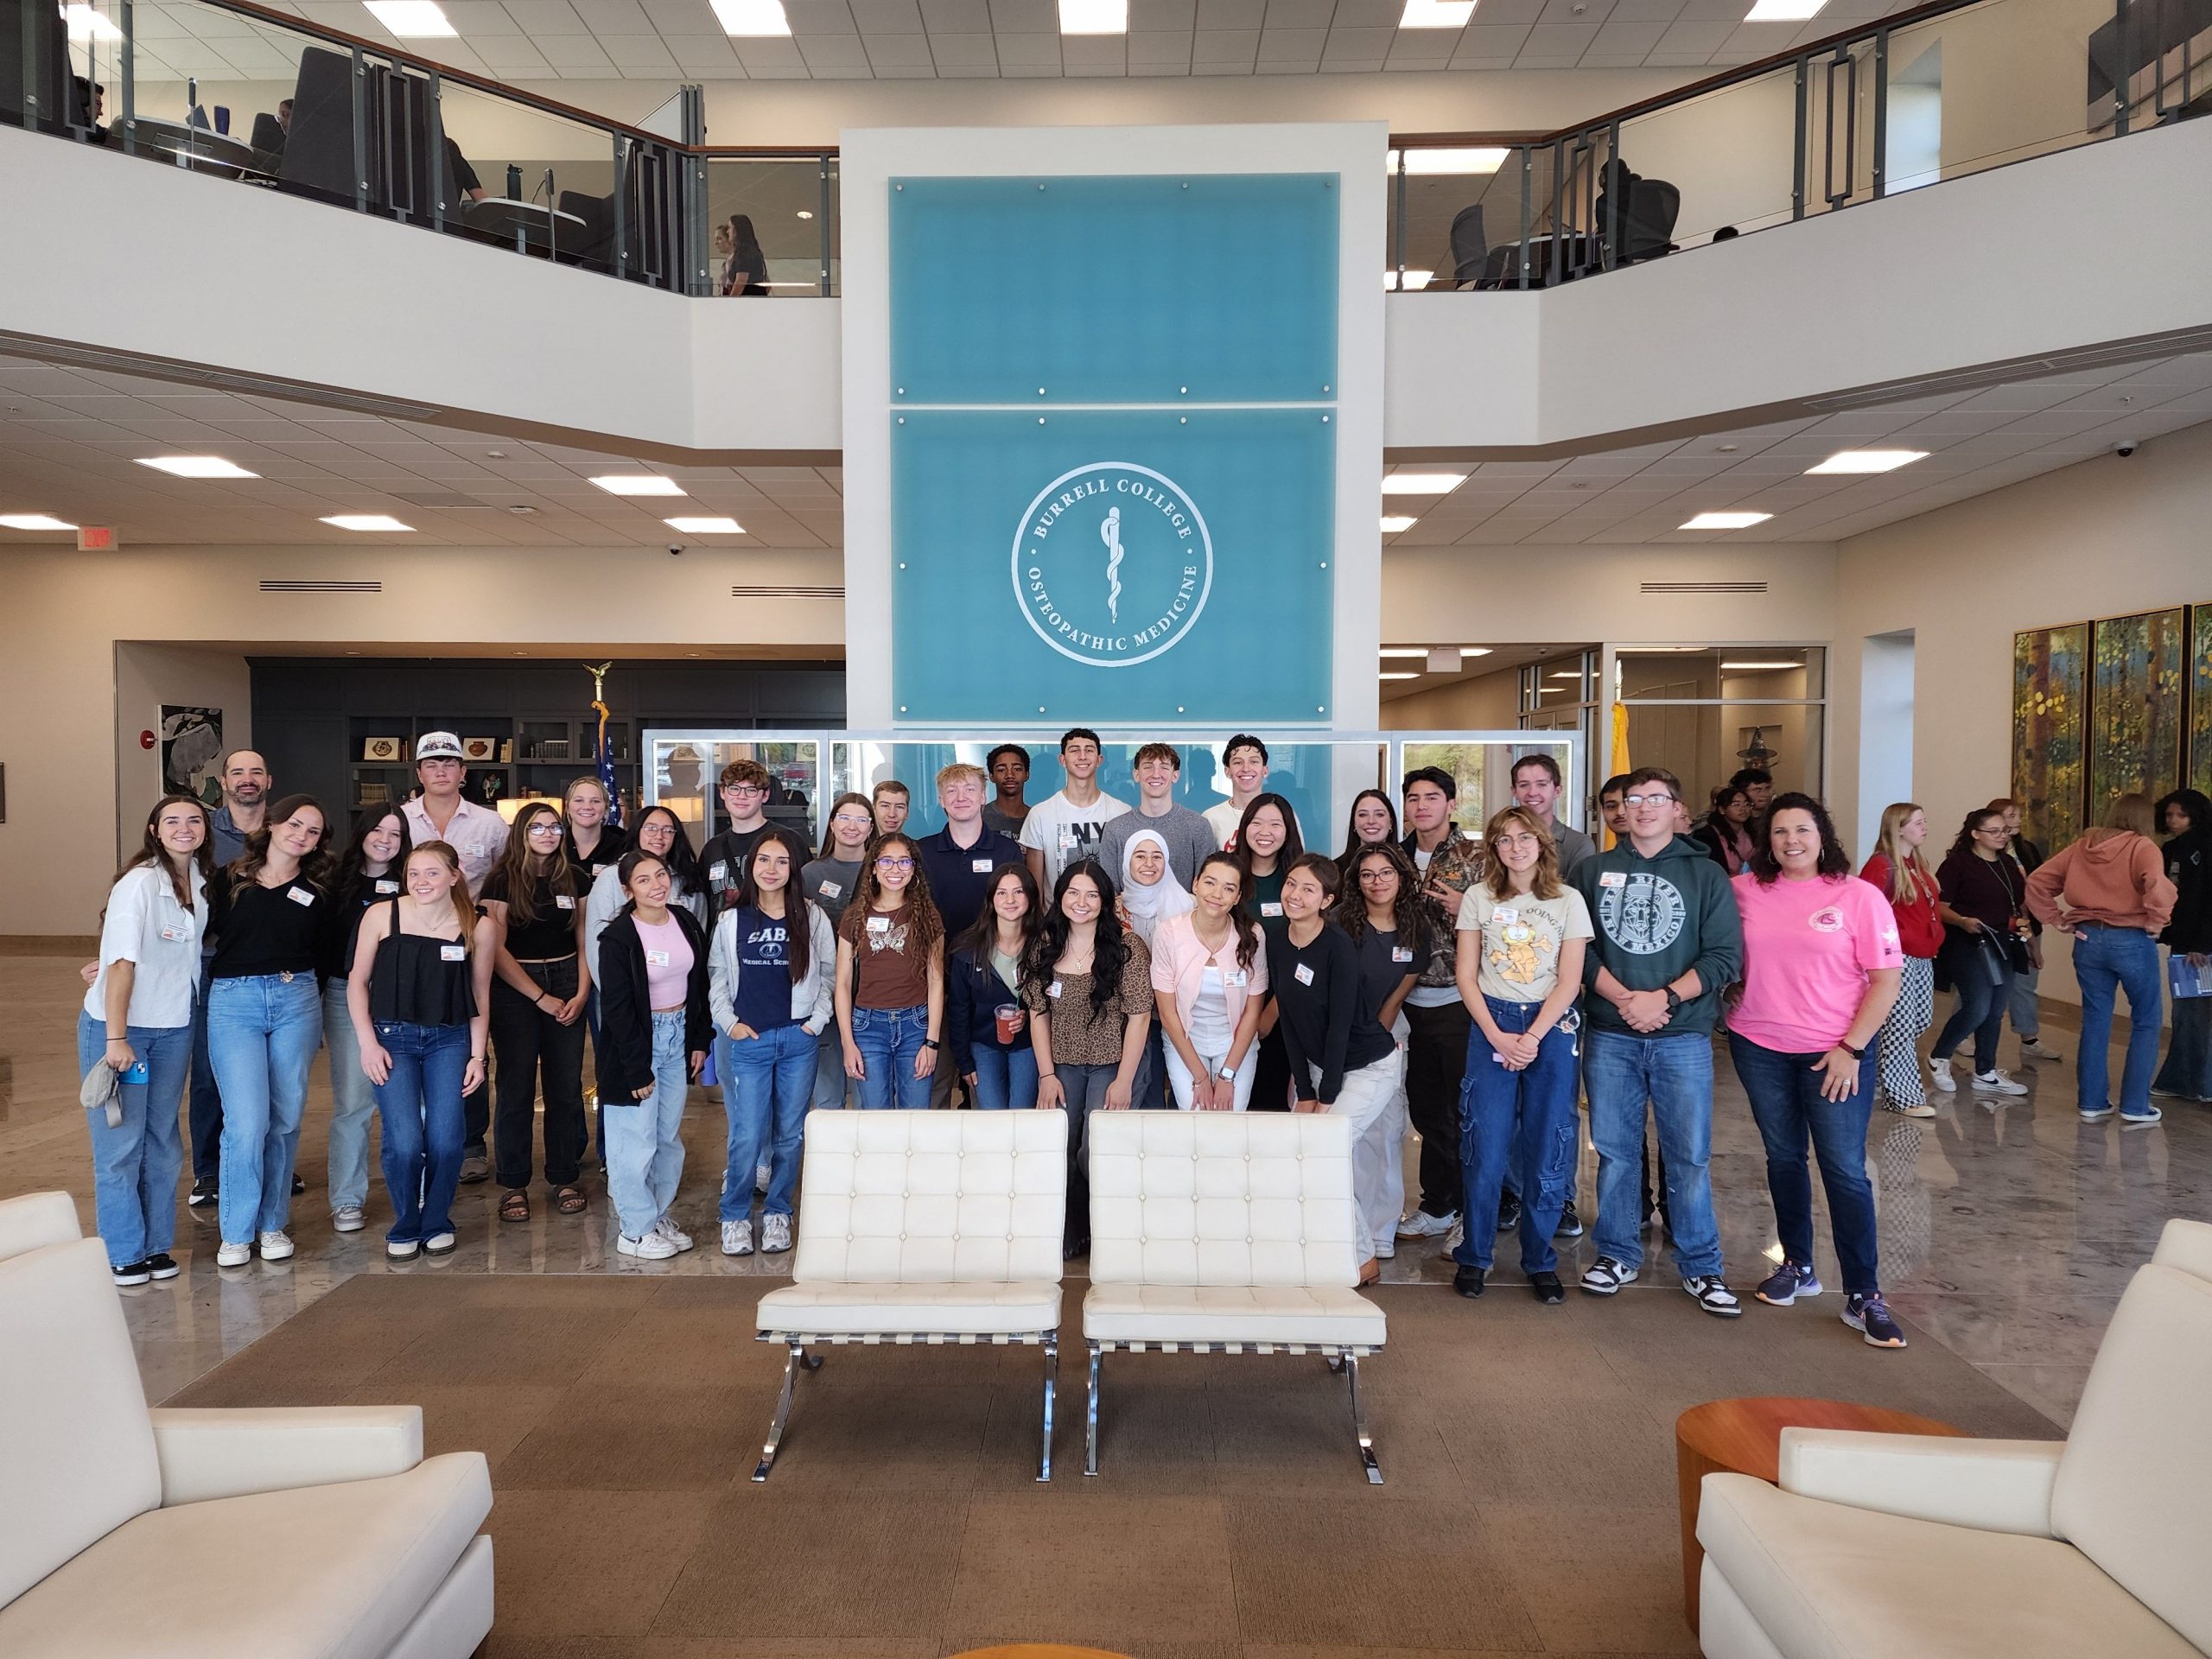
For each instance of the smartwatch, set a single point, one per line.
(1227, 1074)
(1855, 1053)
(1674, 1000)
(929, 1042)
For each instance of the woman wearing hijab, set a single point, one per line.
(1150, 894)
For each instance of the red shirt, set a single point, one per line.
(1920, 927)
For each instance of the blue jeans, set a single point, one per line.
(1518, 1120)
(889, 1040)
(1785, 1095)
(352, 1102)
(135, 1164)
(262, 1036)
(420, 1106)
(1004, 1077)
(767, 1086)
(206, 1110)
(1674, 1073)
(1981, 1005)
(829, 1079)
(644, 1138)
(2123, 958)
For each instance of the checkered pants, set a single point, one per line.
(1897, 1045)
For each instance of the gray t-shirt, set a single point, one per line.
(1188, 835)
(829, 882)
(995, 819)
(1573, 846)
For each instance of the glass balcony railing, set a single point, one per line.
(265, 99)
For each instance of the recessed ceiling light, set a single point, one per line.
(1436, 14)
(1783, 11)
(1868, 460)
(1423, 483)
(1405, 280)
(412, 19)
(706, 526)
(32, 521)
(753, 19)
(1397, 674)
(1430, 163)
(1761, 664)
(365, 521)
(1393, 523)
(637, 483)
(85, 24)
(805, 213)
(1727, 520)
(1405, 650)
(1094, 16)
(196, 466)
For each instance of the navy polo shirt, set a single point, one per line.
(960, 877)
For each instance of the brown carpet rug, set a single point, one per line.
(1529, 1455)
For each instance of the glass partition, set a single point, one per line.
(1724, 158)
(682, 768)
(1481, 764)
(783, 207)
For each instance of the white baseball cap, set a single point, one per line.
(438, 746)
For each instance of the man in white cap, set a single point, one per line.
(477, 836)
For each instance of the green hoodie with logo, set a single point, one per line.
(1656, 918)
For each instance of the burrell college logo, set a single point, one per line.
(1112, 564)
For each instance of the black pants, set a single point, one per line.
(1436, 1063)
(528, 1041)
(1270, 1063)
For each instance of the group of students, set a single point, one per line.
(1090, 954)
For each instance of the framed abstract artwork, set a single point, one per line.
(2199, 699)
(2049, 716)
(2138, 687)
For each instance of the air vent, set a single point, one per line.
(787, 593)
(1704, 587)
(263, 385)
(317, 585)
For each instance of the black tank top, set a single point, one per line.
(420, 981)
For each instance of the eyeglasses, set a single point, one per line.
(853, 817)
(747, 789)
(894, 863)
(1649, 800)
(1385, 873)
(544, 827)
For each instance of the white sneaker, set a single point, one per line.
(1419, 1224)
(1385, 1250)
(1997, 1082)
(233, 1256)
(775, 1233)
(1939, 1072)
(2034, 1048)
(439, 1244)
(277, 1246)
(737, 1238)
(652, 1248)
(1924, 1110)
(667, 1228)
(761, 1178)
(348, 1218)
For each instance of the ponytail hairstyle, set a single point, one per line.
(464, 905)
(245, 869)
(799, 915)
(1249, 937)
(152, 851)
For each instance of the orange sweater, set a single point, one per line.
(2116, 877)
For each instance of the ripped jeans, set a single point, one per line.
(1526, 1117)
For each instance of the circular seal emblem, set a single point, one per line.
(1112, 564)
(1643, 915)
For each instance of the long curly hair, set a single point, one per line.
(1834, 862)
(924, 925)
(1110, 940)
(1409, 918)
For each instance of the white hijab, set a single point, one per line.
(1149, 906)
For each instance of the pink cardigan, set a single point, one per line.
(1179, 963)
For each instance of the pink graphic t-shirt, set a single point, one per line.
(1807, 948)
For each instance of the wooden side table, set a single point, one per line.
(1744, 1437)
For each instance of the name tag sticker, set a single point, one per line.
(1240, 977)
(299, 896)
(656, 958)
(565, 901)
(1612, 878)
(1052, 989)
(386, 885)
(175, 932)
(1506, 913)
(1402, 953)
(453, 953)
(718, 870)
(1268, 908)
(980, 865)
(1302, 974)
(879, 924)
(828, 889)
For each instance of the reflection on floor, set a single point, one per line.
(2006, 1235)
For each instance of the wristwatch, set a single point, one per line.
(1227, 1074)
(929, 1042)
(1674, 1000)
(1855, 1053)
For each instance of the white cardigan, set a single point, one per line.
(812, 1003)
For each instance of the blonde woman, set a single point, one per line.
(1897, 868)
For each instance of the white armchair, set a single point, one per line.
(320, 1533)
(924, 1227)
(1885, 1544)
(1226, 1232)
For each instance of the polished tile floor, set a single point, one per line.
(2007, 1235)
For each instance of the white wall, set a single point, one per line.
(146, 677)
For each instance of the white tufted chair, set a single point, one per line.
(1227, 1232)
(924, 1227)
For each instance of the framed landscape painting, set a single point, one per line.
(2138, 691)
(2050, 710)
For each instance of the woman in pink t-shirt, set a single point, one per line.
(1821, 965)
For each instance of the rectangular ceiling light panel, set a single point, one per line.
(412, 19)
(1437, 14)
(753, 19)
(1094, 16)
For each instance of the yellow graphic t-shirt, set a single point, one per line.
(1521, 940)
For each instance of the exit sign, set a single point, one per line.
(96, 538)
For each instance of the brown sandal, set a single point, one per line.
(514, 1204)
(570, 1200)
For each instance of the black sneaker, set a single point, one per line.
(1570, 1224)
(131, 1273)
(1468, 1281)
(1870, 1317)
(1547, 1289)
(204, 1192)
(1508, 1213)
(162, 1265)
